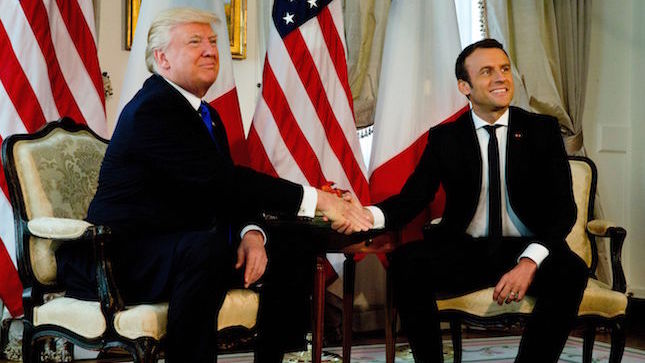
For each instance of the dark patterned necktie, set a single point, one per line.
(494, 189)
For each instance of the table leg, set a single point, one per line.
(349, 272)
(319, 309)
(390, 319)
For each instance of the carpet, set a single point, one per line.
(501, 349)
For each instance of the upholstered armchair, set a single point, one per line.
(52, 176)
(602, 305)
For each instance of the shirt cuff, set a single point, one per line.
(535, 252)
(253, 227)
(309, 201)
(379, 217)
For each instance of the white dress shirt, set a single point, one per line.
(309, 197)
(478, 227)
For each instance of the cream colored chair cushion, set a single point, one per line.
(598, 299)
(146, 320)
(142, 321)
(85, 318)
(578, 239)
(60, 228)
(81, 317)
(240, 308)
(480, 303)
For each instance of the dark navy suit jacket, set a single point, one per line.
(538, 178)
(163, 178)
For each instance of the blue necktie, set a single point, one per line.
(206, 118)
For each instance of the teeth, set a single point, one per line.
(499, 91)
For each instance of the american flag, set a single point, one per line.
(303, 128)
(49, 69)
(417, 91)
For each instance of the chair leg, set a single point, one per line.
(390, 319)
(617, 343)
(349, 273)
(455, 334)
(319, 309)
(30, 351)
(589, 338)
(145, 351)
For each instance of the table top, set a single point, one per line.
(320, 232)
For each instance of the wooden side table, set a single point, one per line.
(329, 241)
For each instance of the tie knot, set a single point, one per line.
(202, 107)
(491, 128)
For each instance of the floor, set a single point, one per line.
(635, 332)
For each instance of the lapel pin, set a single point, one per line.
(518, 135)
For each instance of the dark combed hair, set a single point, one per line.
(460, 67)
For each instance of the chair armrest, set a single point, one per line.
(616, 235)
(80, 230)
(600, 227)
(57, 228)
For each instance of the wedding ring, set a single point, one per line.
(511, 294)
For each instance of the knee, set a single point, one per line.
(574, 273)
(577, 269)
(407, 264)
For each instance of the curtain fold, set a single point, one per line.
(548, 42)
(365, 22)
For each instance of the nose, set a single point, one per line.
(500, 75)
(210, 50)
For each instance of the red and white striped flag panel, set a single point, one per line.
(222, 95)
(303, 128)
(49, 69)
(417, 91)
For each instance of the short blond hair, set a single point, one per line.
(159, 33)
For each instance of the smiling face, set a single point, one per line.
(191, 59)
(490, 89)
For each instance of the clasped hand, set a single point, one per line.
(346, 214)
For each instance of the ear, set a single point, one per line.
(464, 87)
(161, 59)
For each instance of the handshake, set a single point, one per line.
(345, 212)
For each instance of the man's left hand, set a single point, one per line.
(513, 285)
(252, 254)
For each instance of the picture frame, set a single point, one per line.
(235, 14)
(235, 11)
(131, 14)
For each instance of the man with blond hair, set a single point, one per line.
(183, 215)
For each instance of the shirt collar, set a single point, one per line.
(479, 123)
(194, 101)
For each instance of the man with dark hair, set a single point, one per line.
(509, 207)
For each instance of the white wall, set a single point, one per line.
(112, 56)
(636, 209)
(613, 127)
(113, 59)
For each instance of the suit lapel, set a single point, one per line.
(514, 145)
(472, 154)
(220, 134)
(469, 145)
